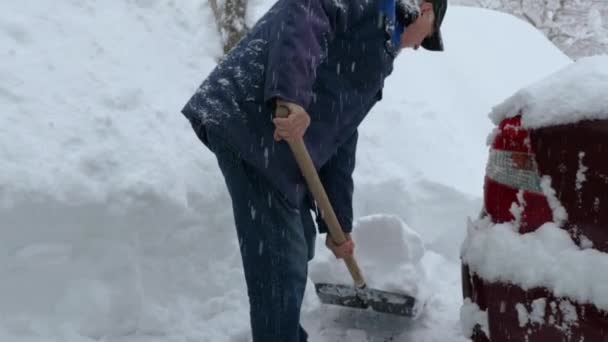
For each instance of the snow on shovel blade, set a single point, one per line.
(378, 300)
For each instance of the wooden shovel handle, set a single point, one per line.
(298, 148)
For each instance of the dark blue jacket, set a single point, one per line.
(329, 56)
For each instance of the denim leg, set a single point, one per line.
(274, 240)
(310, 234)
(310, 230)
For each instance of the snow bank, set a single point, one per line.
(388, 252)
(106, 220)
(537, 259)
(574, 93)
(89, 110)
(114, 220)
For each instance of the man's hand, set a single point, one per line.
(343, 250)
(292, 127)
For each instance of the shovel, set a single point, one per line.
(358, 295)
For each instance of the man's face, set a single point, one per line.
(420, 29)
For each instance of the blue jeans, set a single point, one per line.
(276, 242)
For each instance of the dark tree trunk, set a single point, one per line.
(230, 20)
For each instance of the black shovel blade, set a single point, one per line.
(378, 300)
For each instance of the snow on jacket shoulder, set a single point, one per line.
(329, 56)
(299, 43)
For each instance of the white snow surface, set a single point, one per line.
(547, 257)
(576, 92)
(115, 224)
(388, 252)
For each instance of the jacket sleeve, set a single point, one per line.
(298, 42)
(336, 176)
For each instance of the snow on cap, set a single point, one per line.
(577, 92)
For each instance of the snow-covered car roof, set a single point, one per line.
(577, 92)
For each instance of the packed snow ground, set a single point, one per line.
(114, 222)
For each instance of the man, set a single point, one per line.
(326, 61)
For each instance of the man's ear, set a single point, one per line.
(425, 6)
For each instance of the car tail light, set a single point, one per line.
(512, 177)
(514, 169)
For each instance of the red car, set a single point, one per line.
(575, 157)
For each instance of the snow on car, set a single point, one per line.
(533, 262)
